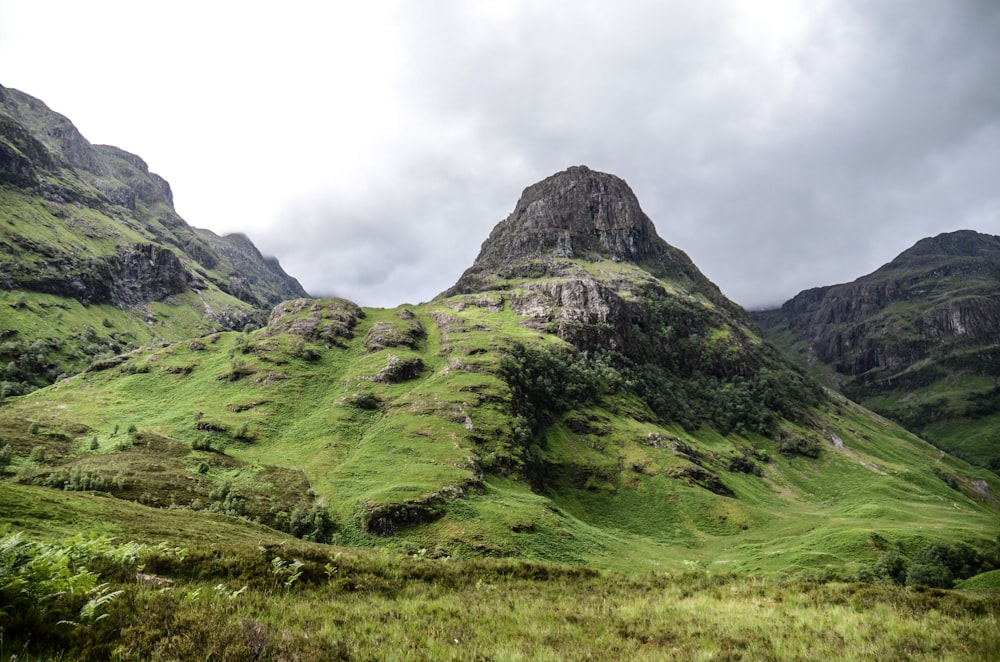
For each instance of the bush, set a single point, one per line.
(792, 445)
(205, 444)
(934, 575)
(243, 432)
(365, 400)
(313, 524)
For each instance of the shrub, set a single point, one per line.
(38, 455)
(934, 575)
(792, 445)
(936, 565)
(948, 479)
(365, 400)
(237, 370)
(205, 444)
(313, 524)
(243, 432)
(891, 567)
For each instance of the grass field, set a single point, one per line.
(290, 600)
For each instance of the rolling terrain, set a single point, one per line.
(578, 408)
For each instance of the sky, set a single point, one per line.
(371, 147)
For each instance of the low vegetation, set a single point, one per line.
(93, 599)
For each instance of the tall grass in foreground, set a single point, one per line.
(308, 603)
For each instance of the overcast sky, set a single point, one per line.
(372, 146)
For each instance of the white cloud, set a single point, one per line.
(372, 146)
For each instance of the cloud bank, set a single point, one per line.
(781, 144)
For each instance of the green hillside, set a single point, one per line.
(399, 424)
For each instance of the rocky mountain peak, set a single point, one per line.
(578, 213)
(962, 249)
(583, 214)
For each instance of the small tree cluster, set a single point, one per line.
(6, 456)
(309, 523)
(938, 565)
(792, 445)
(75, 480)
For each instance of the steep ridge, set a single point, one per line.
(603, 405)
(83, 226)
(917, 340)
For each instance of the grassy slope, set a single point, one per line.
(616, 501)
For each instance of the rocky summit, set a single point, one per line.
(78, 214)
(577, 214)
(579, 257)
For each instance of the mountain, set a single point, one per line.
(583, 394)
(918, 340)
(88, 234)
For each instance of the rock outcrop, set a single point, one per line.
(325, 321)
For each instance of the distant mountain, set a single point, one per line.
(582, 395)
(918, 340)
(85, 225)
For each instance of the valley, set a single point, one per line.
(581, 445)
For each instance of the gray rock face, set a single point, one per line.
(53, 130)
(942, 293)
(144, 273)
(253, 278)
(576, 213)
(136, 275)
(584, 214)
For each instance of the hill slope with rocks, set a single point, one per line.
(582, 395)
(918, 340)
(88, 233)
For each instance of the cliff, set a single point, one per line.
(916, 339)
